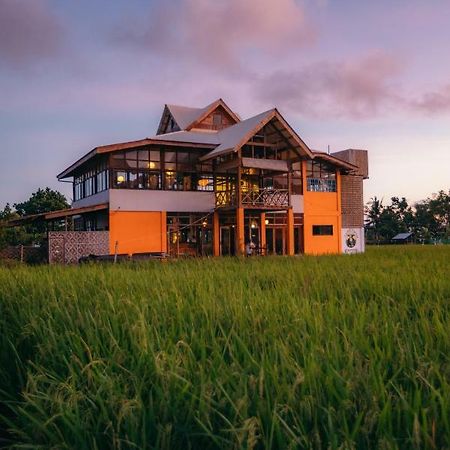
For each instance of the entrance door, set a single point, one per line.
(276, 241)
(227, 241)
(279, 241)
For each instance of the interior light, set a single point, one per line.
(266, 221)
(204, 223)
(120, 179)
(203, 182)
(151, 165)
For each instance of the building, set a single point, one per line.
(210, 183)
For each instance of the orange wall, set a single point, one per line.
(322, 208)
(137, 231)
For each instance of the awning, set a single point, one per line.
(56, 214)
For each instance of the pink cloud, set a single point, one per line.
(433, 103)
(356, 89)
(29, 32)
(216, 32)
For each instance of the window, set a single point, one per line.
(321, 177)
(322, 230)
(217, 120)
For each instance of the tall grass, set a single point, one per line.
(304, 352)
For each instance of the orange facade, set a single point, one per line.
(322, 208)
(137, 232)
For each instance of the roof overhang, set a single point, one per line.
(62, 213)
(125, 146)
(335, 161)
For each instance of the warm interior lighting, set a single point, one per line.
(266, 221)
(170, 173)
(120, 179)
(151, 165)
(253, 224)
(204, 223)
(203, 182)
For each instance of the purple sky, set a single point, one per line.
(347, 73)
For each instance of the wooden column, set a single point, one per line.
(290, 232)
(240, 232)
(216, 234)
(262, 228)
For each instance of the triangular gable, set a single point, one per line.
(204, 119)
(234, 137)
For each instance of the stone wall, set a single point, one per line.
(67, 247)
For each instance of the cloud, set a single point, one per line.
(433, 103)
(217, 32)
(358, 89)
(29, 32)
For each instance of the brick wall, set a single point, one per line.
(352, 202)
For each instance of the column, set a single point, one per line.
(216, 234)
(262, 228)
(240, 232)
(290, 232)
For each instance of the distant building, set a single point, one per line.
(403, 238)
(208, 183)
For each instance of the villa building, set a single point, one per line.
(210, 183)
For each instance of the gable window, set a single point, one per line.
(320, 177)
(322, 230)
(217, 120)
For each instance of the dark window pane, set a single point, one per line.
(322, 230)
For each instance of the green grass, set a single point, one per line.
(305, 352)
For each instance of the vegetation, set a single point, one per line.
(304, 352)
(41, 201)
(429, 219)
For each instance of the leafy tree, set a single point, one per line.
(41, 201)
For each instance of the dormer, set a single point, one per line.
(215, 116)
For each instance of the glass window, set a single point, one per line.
(322, 230)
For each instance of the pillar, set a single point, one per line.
(262, 228)
(216, 234)
(240, 232)
(290, 232)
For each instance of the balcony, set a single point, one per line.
(262, 198)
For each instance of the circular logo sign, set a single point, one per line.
(351, 239)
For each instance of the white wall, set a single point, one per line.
(96, 199)
(297, 203)
(353, 240)
(173, 201)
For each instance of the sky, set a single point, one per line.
(344, 74)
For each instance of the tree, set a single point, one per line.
(41, 201)
(373, 211)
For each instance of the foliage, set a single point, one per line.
(312, 352)
(429, 219)
(41, 201)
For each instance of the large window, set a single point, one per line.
(153, 169)
(320, 177)
(92, 181)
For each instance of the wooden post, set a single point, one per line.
(116, 246)
(216, 234)
(290, 232)
(262, 229)
(240, 232)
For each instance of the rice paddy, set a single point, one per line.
(335, 352)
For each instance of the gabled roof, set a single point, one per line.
(187, 117)
(334, 160)
(234, 137)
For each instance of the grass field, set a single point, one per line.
(305, 352)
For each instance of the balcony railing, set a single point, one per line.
(265, 198)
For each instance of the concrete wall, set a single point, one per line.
(173, 201)
(96, 199)
(297, 203)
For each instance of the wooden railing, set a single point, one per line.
(262, 198)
